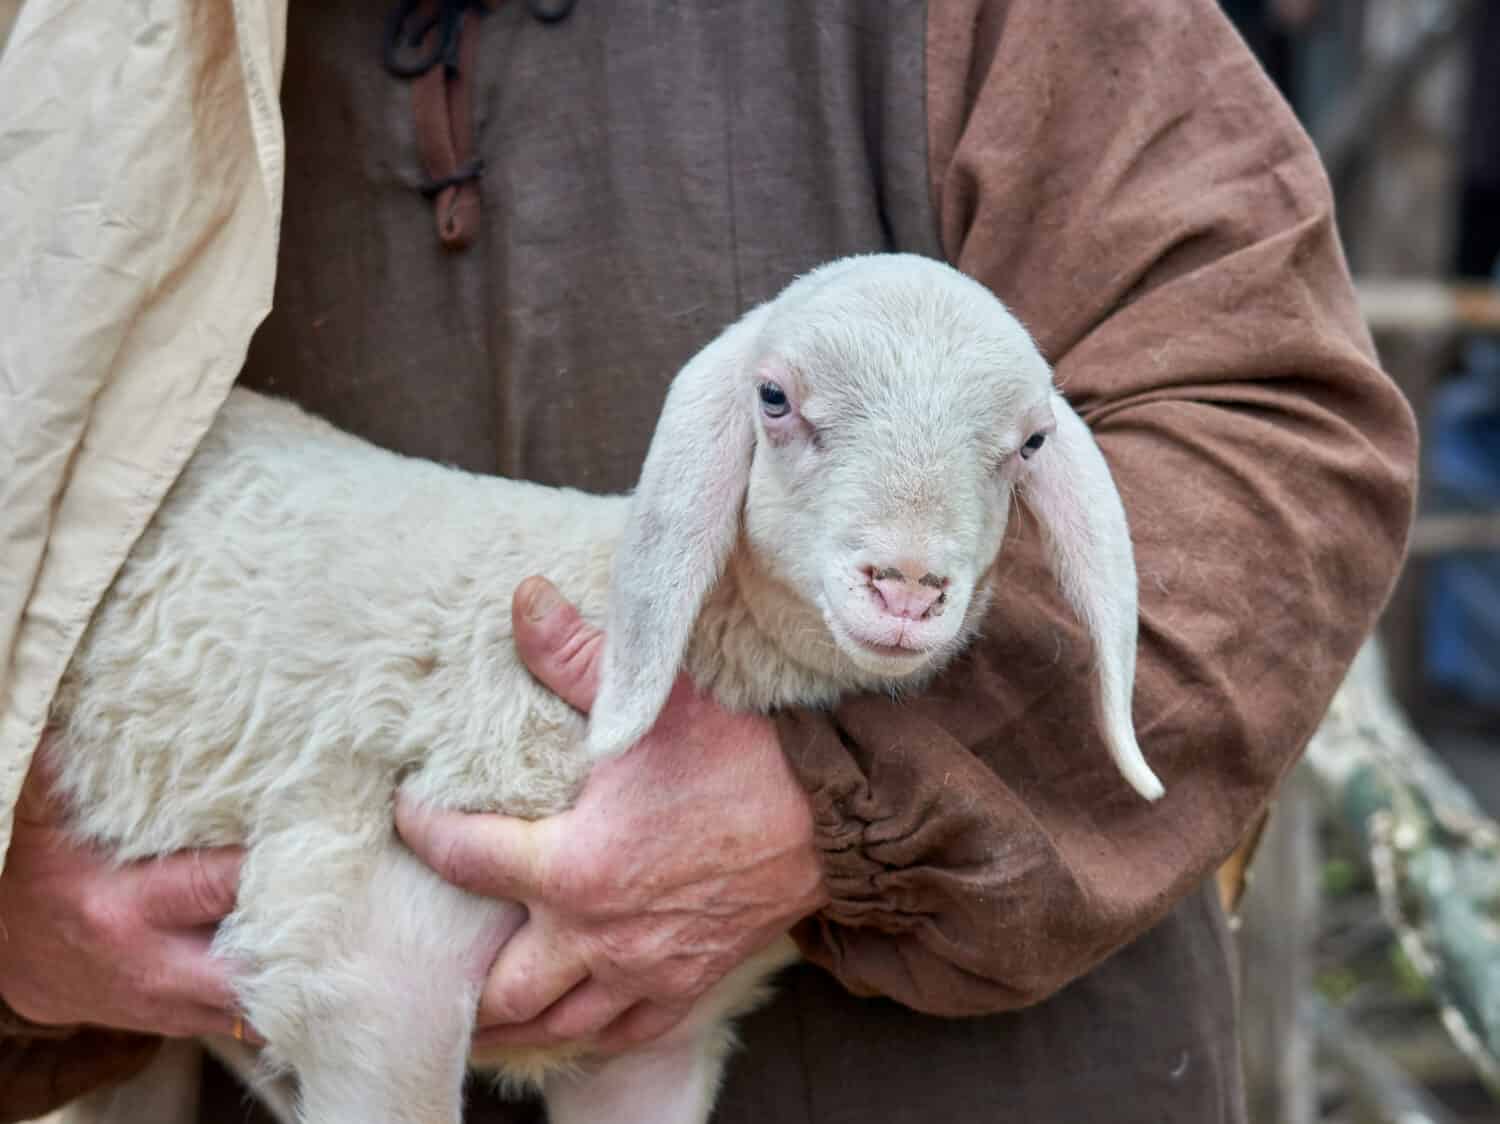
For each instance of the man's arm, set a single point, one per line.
(1128, 182)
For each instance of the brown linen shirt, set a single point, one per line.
(1127, 181)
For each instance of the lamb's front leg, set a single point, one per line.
(671, 1081)
(369, 1001)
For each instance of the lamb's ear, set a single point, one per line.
(683, 522)
(1069, 487)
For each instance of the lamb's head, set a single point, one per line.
(896, 404)
(863, 432)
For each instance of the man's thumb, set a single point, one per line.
(558, 646)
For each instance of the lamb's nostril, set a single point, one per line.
(902, 597)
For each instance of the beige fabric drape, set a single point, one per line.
(140, 194)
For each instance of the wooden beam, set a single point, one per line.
(1415, 305)
(1448, 534)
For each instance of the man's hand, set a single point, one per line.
(83, 940)
(681, 858)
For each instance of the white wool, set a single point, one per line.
(311, 622)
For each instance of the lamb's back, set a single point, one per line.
(307, 621)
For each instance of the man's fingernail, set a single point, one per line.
(542, 598)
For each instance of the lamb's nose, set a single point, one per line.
(904, 597)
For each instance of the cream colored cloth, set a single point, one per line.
(140, 194)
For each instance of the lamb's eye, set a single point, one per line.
(1033, 443)
(773, 400)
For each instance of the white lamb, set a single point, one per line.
(311, 622)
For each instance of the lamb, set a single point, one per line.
(311, 623)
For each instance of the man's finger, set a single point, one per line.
(580, 1014)
(645, 1022)
(193, 975)
(240, 1031)
(556, 644)
(533, 971)
(194, 1020)
(198, 986)
(490, 855)
(190, 888)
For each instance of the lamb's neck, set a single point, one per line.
(758, 645)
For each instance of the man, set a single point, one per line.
(496, 256)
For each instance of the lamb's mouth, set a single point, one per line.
(899, 651)
(899, 659)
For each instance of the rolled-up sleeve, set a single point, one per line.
(1126, 180)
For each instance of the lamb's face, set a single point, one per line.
(892, 426)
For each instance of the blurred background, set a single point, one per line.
(1370, 931)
